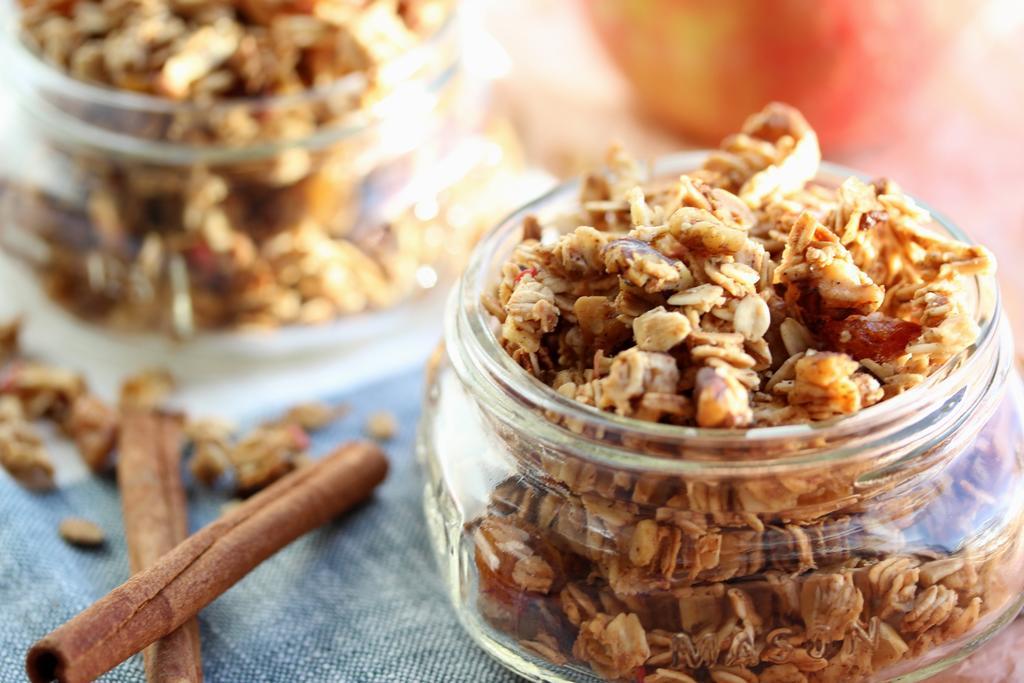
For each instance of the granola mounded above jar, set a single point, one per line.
(742, 294)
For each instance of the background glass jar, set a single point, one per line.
(149, 214)
(580, 545)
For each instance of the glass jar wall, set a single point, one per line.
(579, 545)
(144, 213)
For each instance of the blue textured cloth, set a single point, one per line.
(359, 600)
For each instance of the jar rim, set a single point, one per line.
(469, 323)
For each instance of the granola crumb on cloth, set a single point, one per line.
(381, 426)
(81, 532)
(744, 294)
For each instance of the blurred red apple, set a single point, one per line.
(702, 66)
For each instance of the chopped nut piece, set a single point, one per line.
(642, 266)
(721, 399)
(81, 532)
(211, 446)
(381, 425)
(702, 232)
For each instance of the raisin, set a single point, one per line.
(877, 337)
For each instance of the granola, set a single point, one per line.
(283, 197)
(81, 532)
(382, 426)
(211, 443)
(744, 294)
(314, 415)
(32, 390)
(266, 454)
(786, 302)
(22, 452)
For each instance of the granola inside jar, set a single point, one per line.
(182, 166)
(835, 501)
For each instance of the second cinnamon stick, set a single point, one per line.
(155, 520)
(158, 600)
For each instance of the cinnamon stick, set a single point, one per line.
(155, 520)
(158, 600)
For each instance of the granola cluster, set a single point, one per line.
(278, 193)
(81, 532)
(263, 455)
(743, 294)
(190, 50)
(31, 391)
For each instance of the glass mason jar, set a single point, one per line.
(143, 213)
(579, 545)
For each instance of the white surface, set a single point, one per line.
(229, 375)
